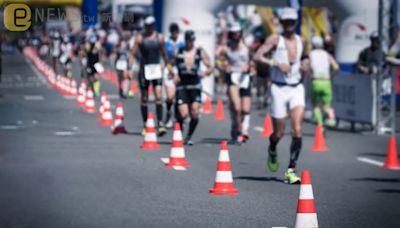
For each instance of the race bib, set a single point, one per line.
(121, 64)
(241, 80)
(63, 58)
(99, 68)
(152, 71)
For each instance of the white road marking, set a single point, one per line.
(9, 127)
(69, 97)
(164, 160)
(33, 98)
(113, 96)
(258, 128)
(64, 133)
(370, 161)
(178, 168)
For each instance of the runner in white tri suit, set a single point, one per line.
(238, 80)
(55, 46)
(287, 91)
(65, 58)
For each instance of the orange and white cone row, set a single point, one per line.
(80, 101)
(103, 99)
(223, 181)
(150, 138)
(119, 127)
(177, 155)
(74, 91)
(306, 212)
(90, 106)
(106, 117)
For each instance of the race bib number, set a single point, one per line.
(99, 68)
(241, 80)
(63, 58)
(121, 65)
(152, 71)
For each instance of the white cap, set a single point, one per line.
(288, 13)
(149, 20)
(317, 41)
(235, 27)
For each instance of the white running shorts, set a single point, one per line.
(285, 98)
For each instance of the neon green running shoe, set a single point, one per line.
(291, 177)
(331, 122)
(273, 164)
(143, 131)
(162, 131)
(131, 93)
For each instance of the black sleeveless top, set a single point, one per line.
(188, 76)
(150, 51)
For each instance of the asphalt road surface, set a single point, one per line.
(59, 168)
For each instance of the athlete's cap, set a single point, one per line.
(374, 36)
(149, 20)
(317, 41)
(235, 27)
(189, 35)
(288, 13)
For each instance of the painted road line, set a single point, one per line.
(370, 161)
(64, 133)
(33, 97)
(113, 96)
(178, 168)
(69, 97)
(259, 129)
(9, 127)
(164, 160)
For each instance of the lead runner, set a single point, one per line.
(287, 91)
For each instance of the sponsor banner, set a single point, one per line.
(353, 97)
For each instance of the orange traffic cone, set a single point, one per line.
(119, 126)
(74, 90)
(177, 155)
(219, 113)
(207, 108)
(80, 101)
(306, 216)
(108, 74)
(319, 140)
(106, 117)
(134, 86)
(90, 106)
(223, 180)
(391, 159)
(267, 127)
(103, 99)
(114, 79)
(150, 138)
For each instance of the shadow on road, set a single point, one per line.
(273, 179)
(212, 140)
(395, 191)
(374, 154)
(377, 179)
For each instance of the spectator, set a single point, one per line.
(368, 60)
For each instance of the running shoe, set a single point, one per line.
(188, 141)
(143, 131)
(245, 137)
(291, 177)
(273, 164)
(162, 131)
(169, 124)
(330, 122)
